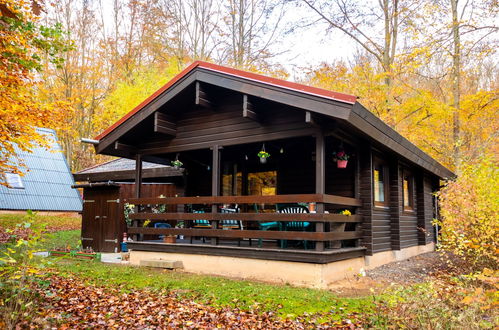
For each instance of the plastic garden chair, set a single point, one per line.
(266, 226)
(232, 224)
(203, 224)
(294, 225)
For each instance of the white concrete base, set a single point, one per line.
(280, 272)
(386, 257)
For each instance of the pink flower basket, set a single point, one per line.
(342, 163)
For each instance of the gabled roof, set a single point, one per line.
(124, 169)
(346, 98)
(339, 106)
(47, 181)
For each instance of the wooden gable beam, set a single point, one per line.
(164, 124)
(249, 109)
(202, 98)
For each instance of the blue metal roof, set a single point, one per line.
(47, 181)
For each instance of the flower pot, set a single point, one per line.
(170, 239)
(342, 163)
(263, 160)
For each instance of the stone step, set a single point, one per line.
(161, 263)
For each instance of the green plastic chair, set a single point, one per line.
(294, 225)
(266, 226)
(200, 224)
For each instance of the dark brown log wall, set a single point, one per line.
(225, 125)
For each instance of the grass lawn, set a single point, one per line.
(53, 222)
(289, 301)
(60, 239)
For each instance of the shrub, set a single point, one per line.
(470, 215)
(444, 303)
(19, 273)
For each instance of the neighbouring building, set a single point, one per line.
(45, 182)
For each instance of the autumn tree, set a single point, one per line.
(253, 27)
(23, 44)
(375, 27)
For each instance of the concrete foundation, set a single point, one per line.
(280, 272)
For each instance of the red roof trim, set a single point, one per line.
(345, 98)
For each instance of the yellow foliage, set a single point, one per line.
(128, 94)
(21, 111)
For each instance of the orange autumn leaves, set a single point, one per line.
(22, 45)
(72, 304)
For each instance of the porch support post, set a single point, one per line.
(138, 190)
(320, 173)
(215, 186)
(138, 175)
(366, 195)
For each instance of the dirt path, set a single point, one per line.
(413, 270)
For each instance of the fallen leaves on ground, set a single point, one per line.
(70, 303)
(7, 236)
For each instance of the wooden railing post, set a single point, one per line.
(320, 172)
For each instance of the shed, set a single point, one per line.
(105, 187)
(45, 182)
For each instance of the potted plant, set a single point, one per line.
(341, 158)
(263, 155)
(177, 164)
(170, 239)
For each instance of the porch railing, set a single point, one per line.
(332, 233)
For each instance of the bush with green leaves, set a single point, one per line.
(20, 271)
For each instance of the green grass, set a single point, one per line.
(55, 222)
(61, 239)
(218, 291)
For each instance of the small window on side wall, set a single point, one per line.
(380, 188)
(408, 191)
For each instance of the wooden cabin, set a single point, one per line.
(300, 215)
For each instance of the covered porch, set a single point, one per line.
(296, 206)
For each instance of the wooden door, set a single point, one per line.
(90, 231)
(100, 219)
(109, 221)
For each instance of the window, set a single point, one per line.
(13, 181)
(262, 183)
(380, 185)
(407, 191)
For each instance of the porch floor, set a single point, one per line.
(229, 248)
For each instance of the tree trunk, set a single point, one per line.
(456, 82)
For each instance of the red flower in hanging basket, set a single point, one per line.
(340, 155)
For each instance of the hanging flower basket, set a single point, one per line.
(341, 158)
(342, 163)
(177, 164)
(263, 155)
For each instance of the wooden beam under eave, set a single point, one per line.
(164, 124)
(202, 99)
(310, 118)
(249, 109)
(125, 147)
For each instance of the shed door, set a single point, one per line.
(90, 231)
(111, 236)
(100, 219)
